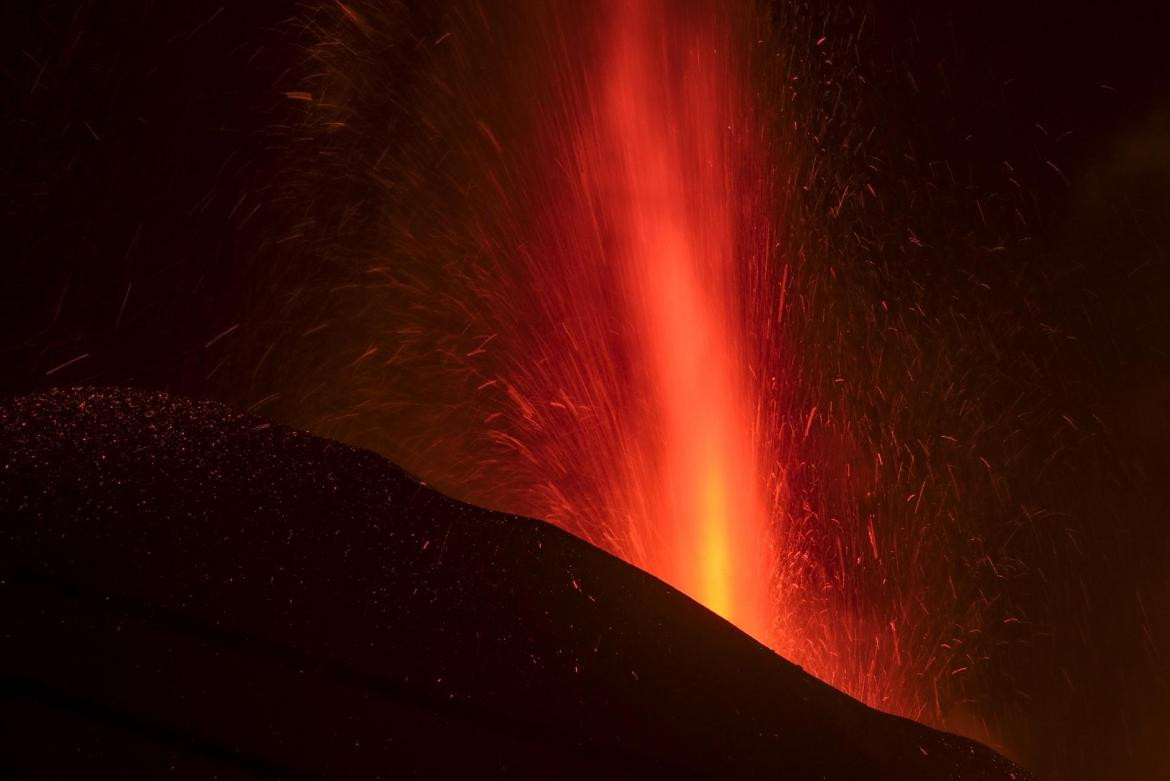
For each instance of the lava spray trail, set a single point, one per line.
(602, 222)
(616, 265)
(657, 163)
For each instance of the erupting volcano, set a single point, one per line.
(574, 304)
(823, 332)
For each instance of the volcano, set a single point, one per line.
(192, 591)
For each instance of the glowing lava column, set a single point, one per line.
(668, 121)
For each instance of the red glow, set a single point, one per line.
(612, 291)
(665, 119)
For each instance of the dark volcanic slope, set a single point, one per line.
(189, 589)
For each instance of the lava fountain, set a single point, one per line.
(585, 265)
(605, 216)
(656, 171)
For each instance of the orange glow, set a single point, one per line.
(625, 282)
(665, 132)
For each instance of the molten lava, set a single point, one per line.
(616, 277)
(663, 139)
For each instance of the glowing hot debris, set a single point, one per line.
(664, 111)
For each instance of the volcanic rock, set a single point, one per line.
(193, 592)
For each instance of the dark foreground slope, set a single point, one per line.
(186, 590)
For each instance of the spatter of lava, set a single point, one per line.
(605, 264)
(653, 225)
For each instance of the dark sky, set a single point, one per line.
(144, 157)
(129, 136)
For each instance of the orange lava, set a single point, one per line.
(622, 281)
(665, 140)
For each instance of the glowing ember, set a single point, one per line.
(616, 284)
